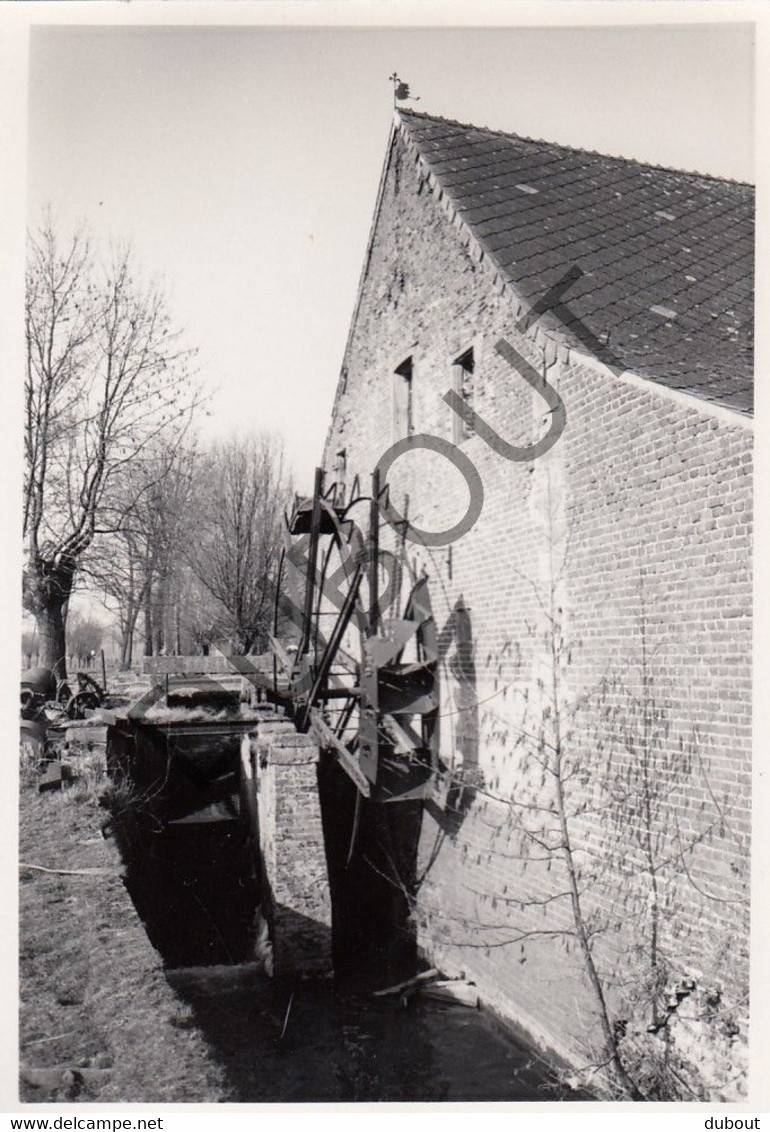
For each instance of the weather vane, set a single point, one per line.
(401, 90)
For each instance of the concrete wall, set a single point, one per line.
(608, 582)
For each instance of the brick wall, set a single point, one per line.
(607, 583)
(296, 884)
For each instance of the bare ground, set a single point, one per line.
(98, 1021)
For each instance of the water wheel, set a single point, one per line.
(360, 676)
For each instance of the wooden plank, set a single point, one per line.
(404, 737)
(226, 810)
(349, 763)
(51, 779)
(450, 990)
(422, 977)
(388, 647)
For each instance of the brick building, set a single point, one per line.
(595, 621)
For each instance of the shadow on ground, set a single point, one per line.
(318, 1041)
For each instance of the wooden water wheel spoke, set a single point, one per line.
(348, 679)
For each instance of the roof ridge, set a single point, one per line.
(401, 113)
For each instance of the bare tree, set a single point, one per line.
(106, 375)
(84, 637)
(199, 620)
(137, 564)
(29, 648)
(243, 489)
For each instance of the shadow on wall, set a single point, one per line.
(371, 852)
(372, 848)
(301, 945)
(195, 891)
(461, 668)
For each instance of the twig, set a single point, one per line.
(684, 1084)
(514, 899)
(70, 872)
(709, 895)
(42, 1041)
(286, 1019)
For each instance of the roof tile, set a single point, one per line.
(636, 231)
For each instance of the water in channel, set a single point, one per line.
(194, 887)
(340, 1044)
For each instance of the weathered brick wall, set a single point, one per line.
(659, 502)
(298, 903)
(620, 562)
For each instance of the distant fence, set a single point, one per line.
(92, 666)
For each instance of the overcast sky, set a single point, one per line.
(243, 162)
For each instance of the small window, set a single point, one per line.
(462, 383)
(403, 411)
(339, 468)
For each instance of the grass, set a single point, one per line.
(93, 994)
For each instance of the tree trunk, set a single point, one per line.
(126, 648)
(148, 625)
(127, 631)
(46, 590)
(159, 617)
(51, 627)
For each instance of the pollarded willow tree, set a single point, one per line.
(106, 377)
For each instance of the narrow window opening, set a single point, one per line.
(403, 407)
(339, 471)
(463, 385)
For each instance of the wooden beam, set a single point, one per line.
(349, 763)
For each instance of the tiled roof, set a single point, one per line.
(667, 257)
